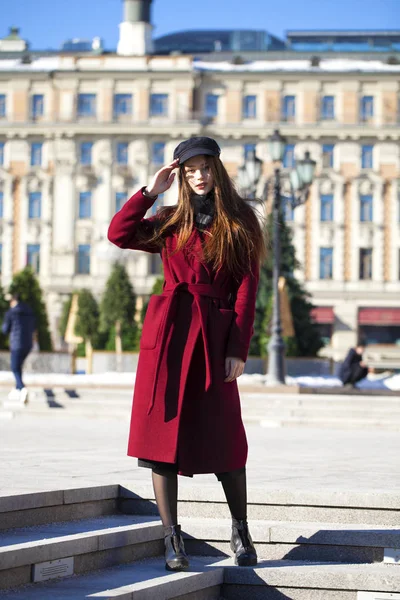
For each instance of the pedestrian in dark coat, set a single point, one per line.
(20, 323)
(186, 415)
(352, 368)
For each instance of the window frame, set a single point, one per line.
(30, 253)
(81, 108)
(290, 148)
(328, 155)
(159, 105)
(81, 256)
(288, 100)
(2, 147)
(366, 204)
(3, 105)
(118, 154)
(328, 111)
(33, 109)
(118, 104)
(85, 205)
(365, 114)
(211, 114)
(35, 205)
(327, 205)
(83, 146)
(120, 196)
(322, 265)
(158, 162)
(36, 157)
(368, 252)
(249, 106)
(367, 152)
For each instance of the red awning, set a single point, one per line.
(379, 316)
(323, 314)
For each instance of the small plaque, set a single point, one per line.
(377, 596)
(53, 569)
(392, 555)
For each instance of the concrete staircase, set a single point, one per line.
(106, 542)
(265, 408)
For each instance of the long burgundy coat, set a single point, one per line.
(182, 410)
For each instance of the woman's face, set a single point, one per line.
(198, 174)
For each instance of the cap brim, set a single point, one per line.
(196, 152)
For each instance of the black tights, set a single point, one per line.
(166, 493)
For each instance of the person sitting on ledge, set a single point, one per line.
(353, 369)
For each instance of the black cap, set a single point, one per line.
(195, 146)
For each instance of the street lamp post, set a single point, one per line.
(300, 181)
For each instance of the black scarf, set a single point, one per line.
(204, 209)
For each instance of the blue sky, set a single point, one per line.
(47, 23)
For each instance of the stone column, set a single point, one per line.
(64, 212)
(8, 229)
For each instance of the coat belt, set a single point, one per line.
(197, 290)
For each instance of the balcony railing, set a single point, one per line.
(124, 122)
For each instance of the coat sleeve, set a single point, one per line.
(6, 326)
(129, 228)
(242, 327)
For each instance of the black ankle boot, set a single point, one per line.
(242, 544)
(175, 555)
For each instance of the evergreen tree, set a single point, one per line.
(87, 322)
(307, 340)
(156, 289)
(27, 286)
(117, 311)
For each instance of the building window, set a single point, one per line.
(288, 210)
(289, 108)
(248, 150)
(325, 263)
(120, 199)
(327, 156)
(1, 258)
(157, 153)
(398, 269)
(86, 153)
(85, 205)
(1, 153)
(366, 209)
(250, 107)
(84, 259)
(159, 105)
(365, 263)
(289, 160)
(367, 157)
(212, 105)
(33, 256)
(159, 202)
(36, 154)
(366, 108)
(2, 106)
(155, 264)
(328, 108)
(122, 153)
(122, 105)
(86, 105)
(35, 205)
(37, 106)
(1, 205)
(327, 207)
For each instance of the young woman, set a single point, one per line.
(186, 416)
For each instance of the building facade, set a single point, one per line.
(81, 131)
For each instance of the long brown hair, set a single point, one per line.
(235, 238)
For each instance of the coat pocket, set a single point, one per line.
(153, 321)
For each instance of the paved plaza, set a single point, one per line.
(56, 452)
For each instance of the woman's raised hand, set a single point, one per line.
(163, 179)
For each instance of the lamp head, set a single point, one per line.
(277, 144)
(306, 168)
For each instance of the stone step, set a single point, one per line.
(326, 423)
(214, 579)
(374, 508)
(144, 580)
(96, 543)
(93, 544)
(277, 505)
